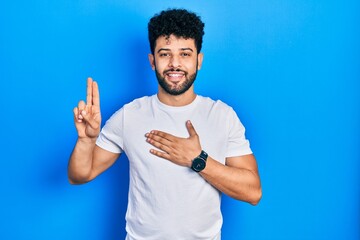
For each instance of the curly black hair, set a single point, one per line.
(179, 22)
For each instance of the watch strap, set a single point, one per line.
(203, 155)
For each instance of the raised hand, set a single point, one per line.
(178, 150)
(87, 116)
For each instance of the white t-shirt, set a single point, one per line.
(168, 201)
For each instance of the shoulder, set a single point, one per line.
(139, 103)
(215, 105)
(133, 106)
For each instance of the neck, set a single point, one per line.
(177, 100)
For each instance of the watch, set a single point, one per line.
(199, 163)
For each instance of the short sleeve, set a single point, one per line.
(111, 135)
(237, 144)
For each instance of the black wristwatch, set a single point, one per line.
(199, 163)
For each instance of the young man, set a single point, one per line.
(184, 149)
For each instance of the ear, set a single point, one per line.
(200, 60)
(152, 61)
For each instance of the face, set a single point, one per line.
(176, 63)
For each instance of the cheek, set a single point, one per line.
(160, 65)
(191, 66)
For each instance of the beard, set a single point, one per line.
(178, 89)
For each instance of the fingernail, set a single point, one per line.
(83, 112)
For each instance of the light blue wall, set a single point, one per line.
(291, 69)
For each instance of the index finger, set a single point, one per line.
(164, 135)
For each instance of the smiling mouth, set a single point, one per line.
(174, 76)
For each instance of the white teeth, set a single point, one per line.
(175, 75)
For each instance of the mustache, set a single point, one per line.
(175, 70)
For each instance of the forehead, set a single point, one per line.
(173, 42)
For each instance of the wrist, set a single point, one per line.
(199, 163)
(87, 140)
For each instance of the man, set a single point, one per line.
(183, 149)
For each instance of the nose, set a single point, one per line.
(174, 62)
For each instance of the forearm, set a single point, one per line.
(238, 183)
(81, 161)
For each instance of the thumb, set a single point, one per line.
(190, 128)
(89, 119)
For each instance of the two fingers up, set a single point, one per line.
(87, 115)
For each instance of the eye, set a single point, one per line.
(185, 54)
(164, 54)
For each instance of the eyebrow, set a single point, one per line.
(182, 49)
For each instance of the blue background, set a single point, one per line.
(289, 68)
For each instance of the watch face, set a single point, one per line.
(198, 164)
